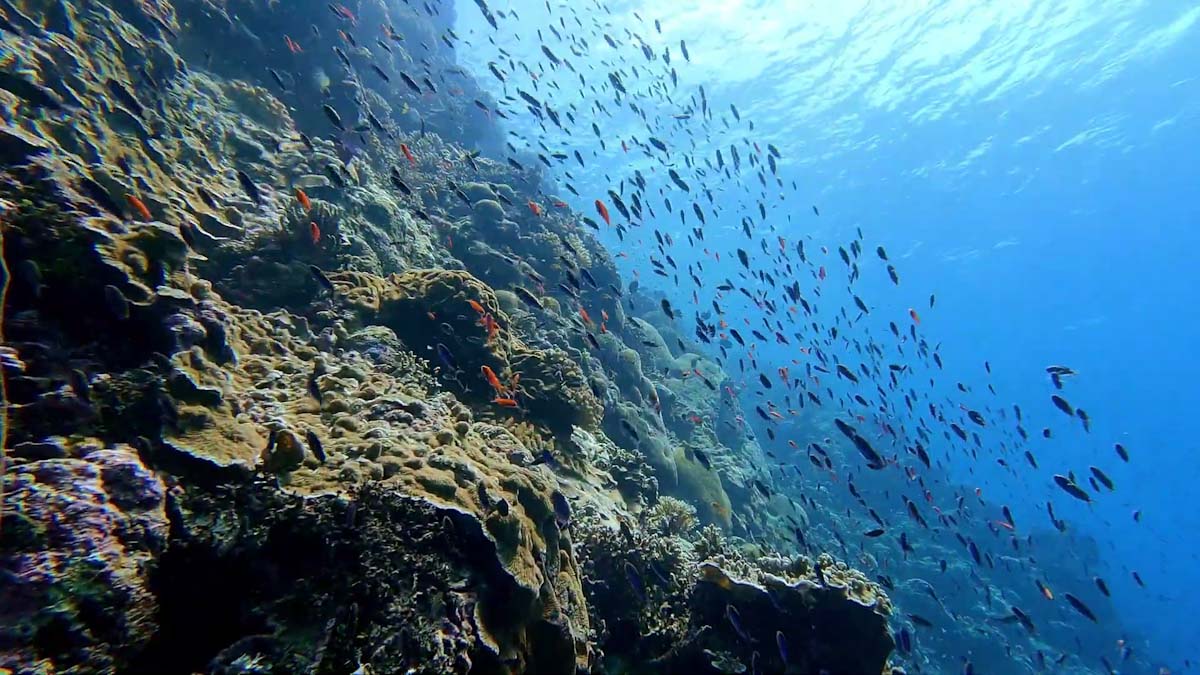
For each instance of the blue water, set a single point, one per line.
(1032, 164)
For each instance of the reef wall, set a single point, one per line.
(290, 388)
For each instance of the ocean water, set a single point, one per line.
(1032, 164)
(287, 284)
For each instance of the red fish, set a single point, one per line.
(559, 204)
(505, 402)
(303, 199)
(913, 313)
(139, 206)
(603, 211)
(408, 154)
(490, 375)
(292, 45)
(586, 318)
(537, 210)
(314, 232)
(821, 273)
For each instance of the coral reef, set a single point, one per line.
(283, 397)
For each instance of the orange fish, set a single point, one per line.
(586, 319)
(314, 232)
(1046, 592)
(913, 313)
(603, 211)
(505, 402)
(408, 154)
(139, 206)
(537, 210)
(489, 324)
(490, 376)
(477, 307)
(303, 199)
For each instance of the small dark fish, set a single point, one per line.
(920, 620)
(446, 356)
(1084, 419)
(333, 116)
(249, 186)
(1071, 488)
(562, 508)
(1121, 452)
(278, 79)
(1061, 404)
(1102, 477)
(528, 297)
(314, 444)
(666, 308)
(1080, 607)
(735, 620)
(321, 278)
(635, 581)
(1102, 586)
(873, 533)
(314, 388)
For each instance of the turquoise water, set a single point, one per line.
(1031, 164)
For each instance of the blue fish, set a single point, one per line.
(635, 581)
(735, 620)
(562, 508)
(444, 355)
